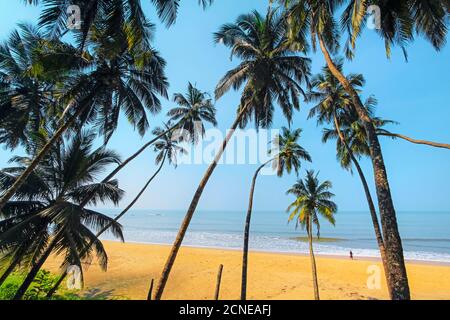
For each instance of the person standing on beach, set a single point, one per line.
(351, 254)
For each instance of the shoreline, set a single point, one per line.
(331, 256)
(271, 276)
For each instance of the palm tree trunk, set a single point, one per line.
(313, 261)
(373, 213)
(132, 203)
(247, 233)
(22, 178)
(35, 269)
(393, 243)
(424, 142)
(191, 210)
(10, 269)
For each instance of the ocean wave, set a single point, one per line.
(270, 244)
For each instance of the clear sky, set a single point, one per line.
(416, 94)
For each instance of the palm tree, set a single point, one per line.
(168, 149)
(269, 71)
(317, 17)
(116, 14)
(113, 78)
(195, 109)
(336, 106)
(55, 187)
(287, 154)
(312, 199)
(400, 21)
(25, 100)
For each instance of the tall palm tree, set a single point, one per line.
(287, 155)
(312, 199)
(168, 149)
(335, 106)
(113, 78)
(270, 71)
(318, 18)
(56, 186)
(400, 21)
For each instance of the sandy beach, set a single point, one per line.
(271, 275)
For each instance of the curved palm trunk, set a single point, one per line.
(41, 154)
(373, 213)
(247, 233)
(313, 261)
(394, 249)
(191, 210)
(35, 269)
(416, 141)
(124, 211)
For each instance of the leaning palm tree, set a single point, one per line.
(56, 187)
(270, 71)
(399, 22)
(187, 123)
(113, 78)
(312, 199)
(167, 148)
(286, 155)
(194, 109)
(318, 18)
(335, 106)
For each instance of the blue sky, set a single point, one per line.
(416, 94)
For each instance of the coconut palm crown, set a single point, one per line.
(271, 71)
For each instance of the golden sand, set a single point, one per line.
(271, 275)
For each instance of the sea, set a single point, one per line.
(425, 235)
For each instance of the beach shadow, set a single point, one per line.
(98, 294)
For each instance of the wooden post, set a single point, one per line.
(149, 296)
(219, 279)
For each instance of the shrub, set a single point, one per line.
(38, 290)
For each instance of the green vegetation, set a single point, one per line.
(38, 289)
